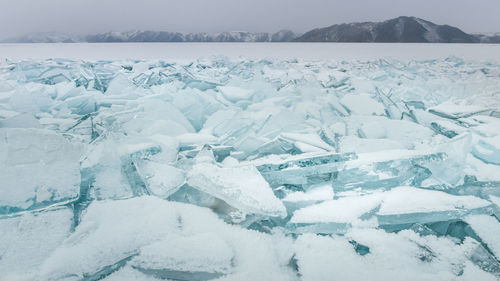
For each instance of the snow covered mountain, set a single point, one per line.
(401, 29)
(155, 36)
(163, 36)
(45, 37)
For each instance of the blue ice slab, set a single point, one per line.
(300, 168)
(386, 174)
(39, 168)
(487, 152)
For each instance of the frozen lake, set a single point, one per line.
(189, 51)
(140, 162)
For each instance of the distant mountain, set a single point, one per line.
(489, 38)
(401, 29)
(156, 36)
(162, 36)
(45, 37)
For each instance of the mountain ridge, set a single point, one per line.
(402, 29)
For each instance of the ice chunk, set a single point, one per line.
(335, 106)
(342, 210)
(308, 139)
(488, 150)
(195, 139)
(282, 121)
(447, 128)
(495, 200)
(386, 169)
(164, 127)
(241, 187)
(397, 206)
(196, 105)
(278, 170)
(235, 94)
(407, 133)
(218, 118)
(198, 257)
(119, 85)
(24, 120)
(280, 145)
(362, 104)
(28, 239)
(454, 111)
(294, 200)
(94, 250)
(315, 193)
(190, 195)
(423, 258)
(488, 229)
(373, 130)
(161, 180)
(359, 145)
(127, 273)
(480, 170)
(484, 125)
(152, 111)
(102, 168)
(39, 168)
(410, 205)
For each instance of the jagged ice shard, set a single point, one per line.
(247, 169)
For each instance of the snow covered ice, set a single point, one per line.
(249, 169)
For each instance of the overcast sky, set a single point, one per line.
(18, 17)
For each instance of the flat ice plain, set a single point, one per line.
(283, 161)
(192, 51)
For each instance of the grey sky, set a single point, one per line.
(18, 17)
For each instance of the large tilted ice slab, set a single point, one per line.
(39, 168)
(402, 205)
(299, 169)
(165, 239)
(241, 187)
(380, 169)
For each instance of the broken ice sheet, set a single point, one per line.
(314, 194)
(242, 187)
(198, 257)
(297, 169)
(39, 168)
(347, 210)
(28, 239)
(332, 141)
(404, 256)
(488, 229)
(401, 205)
(386, 169)
(488, 150)
(94, 250)
(362, 104)
(129, 273)
(161, 180)
(406, 204)
(451, 110)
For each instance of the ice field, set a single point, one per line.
(375, 162)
